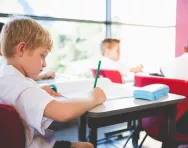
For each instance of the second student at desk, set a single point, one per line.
(110, 49)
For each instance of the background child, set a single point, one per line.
(110, 49)
(25, 45)
(177, 68)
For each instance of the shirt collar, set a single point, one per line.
(106, 58)
(10, 70)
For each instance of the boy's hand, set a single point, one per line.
(48, 75)
(50, 91)
(98, 95)
(137, 68)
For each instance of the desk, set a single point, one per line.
(122, 110)
(58, 78)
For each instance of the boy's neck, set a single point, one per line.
(15, 63)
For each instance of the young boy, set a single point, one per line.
(110, 49)
(47, 75)
(25, 45)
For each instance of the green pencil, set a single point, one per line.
(97, 74)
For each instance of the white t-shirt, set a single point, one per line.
(124, 70)
(177, 68)
(30, 101)
(107, 63)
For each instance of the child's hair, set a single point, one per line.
(108, 43)
(23, 29)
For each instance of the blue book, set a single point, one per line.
(151, 92)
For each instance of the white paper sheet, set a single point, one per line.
(83, 89)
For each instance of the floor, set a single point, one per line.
(69, 131)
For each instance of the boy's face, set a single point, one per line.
(33, 62)
(114, 52)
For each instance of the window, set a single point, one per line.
(75, 46)
(145, 12)
(145, 45)
(72, 9)
(5, 6)
(146, 29)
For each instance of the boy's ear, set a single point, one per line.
(20, 49)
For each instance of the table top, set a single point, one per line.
(125, 105)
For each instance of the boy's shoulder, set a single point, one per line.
(16, 80)
(12, 86)
(13, 80)
(10, 75)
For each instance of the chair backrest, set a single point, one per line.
(12, 133)
(113, 75)
(177, 86)
(180, 87)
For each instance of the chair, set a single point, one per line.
(115, 77)
(11, 128)
(154, 130)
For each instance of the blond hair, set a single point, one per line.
(108, 43)
(23, 29)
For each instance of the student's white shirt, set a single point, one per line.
(177, 68)
(30, 101)
(107, 63)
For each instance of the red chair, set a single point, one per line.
(11, 128)
(113, 75)
(154, 130)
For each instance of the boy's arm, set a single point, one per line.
(68, 110)
(48, 75)
(125, 69)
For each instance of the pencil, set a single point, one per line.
(97, 74)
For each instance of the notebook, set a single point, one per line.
(83, 89)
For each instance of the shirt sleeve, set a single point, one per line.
(123, 68)
(31, 104)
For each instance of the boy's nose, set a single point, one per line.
(44, 64)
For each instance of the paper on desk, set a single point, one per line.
(83, 89)
(117, 91)
(80, 85)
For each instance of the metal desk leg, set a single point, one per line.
(82, 128)
(93, 136)
(169, 142)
